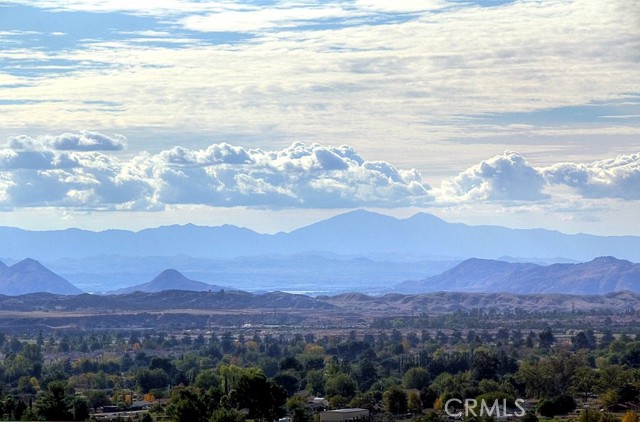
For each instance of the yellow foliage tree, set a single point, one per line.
(438, 405)
(630, 416)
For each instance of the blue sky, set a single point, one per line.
(132, 114)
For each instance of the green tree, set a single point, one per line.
(417, 378)
(341, 385)
(546, 338)
(262, 397)
(316, 381)
(54, 404)
(187, 405)
(414, 403)
(584, 382)
(559, 405)
(298, 409)
(395, 400)
(80, 408)
(226, 415)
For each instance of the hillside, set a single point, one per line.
(448, 302)
(170, 280)
(30, 276)
(238, 303)
(165, 301)
(599, 276)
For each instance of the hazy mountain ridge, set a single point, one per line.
(357, 233)
(601, 275)
(29, 276)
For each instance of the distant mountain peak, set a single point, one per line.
(425, 217)
(30, 276)
(169, 274)
(608, 260)
(170, 279)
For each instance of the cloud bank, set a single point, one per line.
(64, 171)
(81, 171)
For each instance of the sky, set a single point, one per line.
(272, 115)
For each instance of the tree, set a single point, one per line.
(414, 403)
(187, 405)
(341, 385)
(207, 379)
(546, 338)
(485, 364)
(395, 400)
(226, 415)
(149, 379)
(298, 409)
(291, 363)
(584, 382)
(264, 398)
(316, 381)
(288, 381)
(54, 403)
(630, 416)
(417, 378)
(559, 405)
(80, 409)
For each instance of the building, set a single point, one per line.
(345, 415)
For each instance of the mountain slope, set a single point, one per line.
(30, 276)
(600, 276)
(471, 275)
(170, 280)
(357, 233)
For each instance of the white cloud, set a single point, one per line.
(303, 176)
(509, 177)
(613, 178)
(506, 177)
(220, 175)
(259, 19)
(82, 141)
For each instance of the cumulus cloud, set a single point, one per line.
(506, 177)
(613, 178)
(221, 175)
(82, 141)
(313, 176)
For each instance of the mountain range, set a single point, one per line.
(601, 275)
(356, 234)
